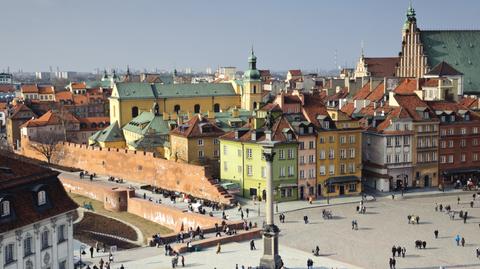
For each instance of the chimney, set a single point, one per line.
(268, 135)
(236, 134)
(254, 136)
(235, 112)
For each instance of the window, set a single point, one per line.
(463, 157)
(451, 131)
(331, 139)
(249, 153)
(134, 111)
(420, 128)
(397, 126)
(322, 154)
(196, 108)
(282, 171)
(343, 153)
(352, 139)
(443, 144)
(291, 171)
(302, 160)
(450, 143)
(249, 170)
(397, 141)
(239, 153)
(351, 168)
(311, 173)
(5, 209)
(29, 265)
(322, 170)
(475, 156)
(27, 246)
(200, 142)
(475, 130)
(342, 139)
(301, 146)
(389, 158)
(9, 254)
(311, 158)
(331, 169)
(302, 174)
(176, 108)
(201, 154)
(443, 132)
(352, 187)
(397, 158)
(450, 158)
(331, 154)
(463, 131)
(42, 198)
(475, 142)
(225, 167)
(443, 159)
(463, 143)
(352, 153)
(311, 144)
(216, 141)
(225, 150)
(389, 141)
(321, 140)
(216, 108)
(216, 153)
(281, 154)
(434, 156)
(290, 154)
(45, 241)
(342, 168)
(427, 128)
(405, 157)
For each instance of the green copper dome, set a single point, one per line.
(252, 73)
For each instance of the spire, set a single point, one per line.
(128, 70)
(105, 75)
(363, 49)
(252, 60)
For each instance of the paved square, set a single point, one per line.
(384, 225)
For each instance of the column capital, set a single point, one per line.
(269, 155)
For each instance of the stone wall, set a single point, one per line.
(138, 166)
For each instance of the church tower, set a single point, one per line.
(252, 85)
(413, 61)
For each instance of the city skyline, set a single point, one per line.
(208, 35)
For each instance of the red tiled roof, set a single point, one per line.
(295, 72)
(431, 82)
(411, 103)
(469, 102)
(363, 93)
(291, 99)
(271, 107)
(66, 95)
(382, 67)
(407, 86)
(29, 88)
(377, 93)
(78, 85)
(80, 100)
(313, 107)
(46, 89)
(7, 88)
(17, 182)
(20, 108)
(194, 128)
(451, 106)
(50, 118)
(348, 109)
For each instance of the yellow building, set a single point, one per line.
(339, 142)
(129, 99)
(110, 137)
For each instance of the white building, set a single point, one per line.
(36, 215)
(6, 78)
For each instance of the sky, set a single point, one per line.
(83, 35)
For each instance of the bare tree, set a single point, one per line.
(46, 147)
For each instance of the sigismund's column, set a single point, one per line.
(270, 258)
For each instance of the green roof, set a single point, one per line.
(98, 83)
(460, 49)
(224, 120)
(112, 133)
(148, 123)
(140, 90)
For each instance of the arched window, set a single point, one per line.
(134, 111)
(196, 108)
(94, 125)
(5, 209)
(216, 107)
(176, 108)
(29, 264)
(45, 239)
(42, 197)
(255, 89)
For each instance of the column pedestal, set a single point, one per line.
(270, 258)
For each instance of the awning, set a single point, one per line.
(461, 171)
(344, 179)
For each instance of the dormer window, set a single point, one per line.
(41, 198)
(425, 115)
(467, 117)
(326, 124)
(5, 208)
(452, 118)
(310, 129)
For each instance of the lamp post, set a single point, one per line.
(259, 184)
(81, 252)
(270, 258)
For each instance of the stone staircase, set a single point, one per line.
(222, 191)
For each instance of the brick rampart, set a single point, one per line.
(139, 166)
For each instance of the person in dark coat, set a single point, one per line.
(399, 251)
(390, 262)
(424, 244)
(394, 262)
(435, 233)
(394, 250)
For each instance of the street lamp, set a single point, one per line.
(81, 252)
(259, 184)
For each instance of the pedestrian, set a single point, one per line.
(144, 196)
(394, 250)
(353, 224)
(440, 207)
(436, 207)
(409, 217)
(478, 252)
(219, 248)
(424, 244)
(317, 251)
(97, 246)
(305, 219)
(417, 218)
(246, 211)
(399, 251)
(91, 177)
(121, 267)
(110, 257)
(252, 245)
(458, 200)
(471, 204)
(241, 214)
(390, 263)
(393, 196)
(435, 233)
(463, 241)
(309, 263)
(393, 263)
(91, 252)
(183, 260)
(174, 262)
(457, 239)
(404, 250)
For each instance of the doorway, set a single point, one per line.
(302, 189)
(342, 190)
(426, 181)
(264, 195)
